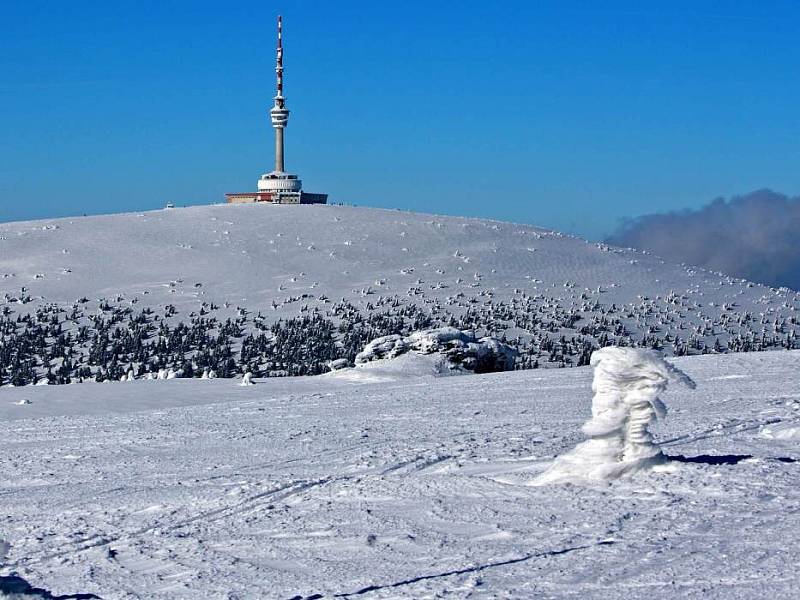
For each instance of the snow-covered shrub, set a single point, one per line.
(627, 382)
(461, 349)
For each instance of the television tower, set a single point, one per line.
(279, 113)
(278, 186)
(282, 184)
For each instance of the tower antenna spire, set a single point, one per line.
(279, 61)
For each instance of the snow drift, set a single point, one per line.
(409, 366)
(462, 350)
(626, 386)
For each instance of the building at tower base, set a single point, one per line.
(278, 186)
(276, 197)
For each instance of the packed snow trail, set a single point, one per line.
(405, 488)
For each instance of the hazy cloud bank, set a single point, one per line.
(755, 236)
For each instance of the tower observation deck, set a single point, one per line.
(278, 186)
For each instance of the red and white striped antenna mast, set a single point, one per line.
(279, 62)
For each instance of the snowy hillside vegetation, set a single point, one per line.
(275, 290)
(318, 487)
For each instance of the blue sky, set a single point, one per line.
(570, 115)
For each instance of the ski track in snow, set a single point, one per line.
(316, 487)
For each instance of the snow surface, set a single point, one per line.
(415, 488)
(253, 254)
(388, 480)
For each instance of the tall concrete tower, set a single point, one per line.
(279, 113)
(278, 186)
(279, 181)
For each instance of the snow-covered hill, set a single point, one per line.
(385, 480)
(318, 487)
(254, 254)
(560, 295)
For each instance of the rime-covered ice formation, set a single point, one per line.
(627, 382)
(462, 349)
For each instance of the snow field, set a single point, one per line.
(388, 480)
(414, 488)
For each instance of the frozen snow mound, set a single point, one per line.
(461, 350)
(781, 431)
(626, 386)
(407, 366)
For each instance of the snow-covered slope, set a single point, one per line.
(561, 295)
(386, 480)
(320, 487)
(253, 254)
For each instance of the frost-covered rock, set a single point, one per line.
(387, 346)
(627, 382)
(462, 349)
(338, 364)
